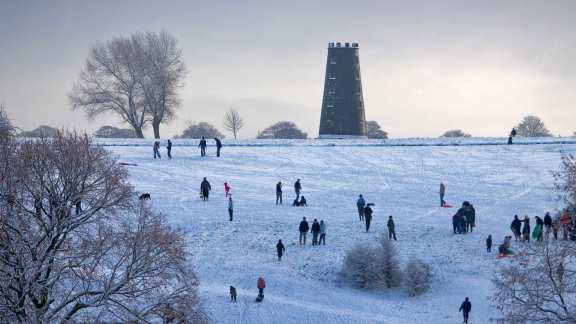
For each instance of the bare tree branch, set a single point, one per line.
(233, 122)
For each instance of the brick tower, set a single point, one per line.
(342, 105)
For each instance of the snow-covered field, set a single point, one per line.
(402, 181)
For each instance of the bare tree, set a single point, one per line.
(374, 131)
(109, 83)
(565, 180)
(539, 285)
(283, 130)
(75, 247)
(7, 130)
(455, 133)
(162, 71)
(233, 122)
(417, 277)
(532, 126)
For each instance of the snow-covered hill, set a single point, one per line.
(402, 181)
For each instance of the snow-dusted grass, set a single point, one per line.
(402, 181)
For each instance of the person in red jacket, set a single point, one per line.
(261, 284)
(227, 189)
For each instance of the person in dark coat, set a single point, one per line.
(295, 203)
(232, 294)
(302, 202)
(280, 249)
(456, 224)
(304, 227)
(361, 203)
(230, 207)
(205, 189)
(315, 230)
(526, 229)
(465, 308)
(391, 231)
(297, 188)
(169, 149)
(368, 215)
(202, 146)
(489, 244)
(218, 146)
(442, 192)
(156, 149)
(547, 225)
(516, 226)
(279, 192)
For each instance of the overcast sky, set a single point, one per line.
(427, 66)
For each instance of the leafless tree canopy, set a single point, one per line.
(539, 286)
(7, 130)
(455, 133)
(374, 130)
(233, 122)
(201, 129)
(114, 132)
(135, 78)
(283, 129)
(74, 247)
(566, 180)
(532, 126)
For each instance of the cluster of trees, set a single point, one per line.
(136, 78)
(7, 129)
(377, 266)
(78, 246)
(282, 130)
(455, 133)
(114, 132)
(199, 130)
(374, 131)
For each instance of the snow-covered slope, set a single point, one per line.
(402, 181)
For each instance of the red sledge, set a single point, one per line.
(446, 205)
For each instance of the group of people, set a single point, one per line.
(364, 211)
(464, 220)
(545, 228)
(202, 145)
(318, 230)
(156, 149)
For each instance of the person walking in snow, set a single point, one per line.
(556, 226)
(232, 294)
(218, 146)
(442, 192)
(526, 229)
(565, 221)
(202, 146)
(538, 229)
(547, 225)
(156, 149)
(169, 149)
(471, 218)
(465, 308)
(279, 192)
(280, 249)
(489, 244)
(227, 189)
(261, 284)
(322, 233)
(391, 231)
(303, 228)
(230, 207)
(315, 232)
(297, 188)
(205, 189)
(515, 226)
(361, 203)
(368, 216)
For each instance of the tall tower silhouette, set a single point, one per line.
(342, 105)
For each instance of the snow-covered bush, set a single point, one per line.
(358, 268)
(417, 277)
(387, 264)
(368, 266)
(282, 129)
(532, 126)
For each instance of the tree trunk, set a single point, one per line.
(139, 133)
(156, 127)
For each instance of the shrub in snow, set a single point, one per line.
(455, 133)
(387, 264)
(367, 266)
(358, 267)
(282, 130)
(373, 130)
(417, 277)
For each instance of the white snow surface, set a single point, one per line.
(403, 181)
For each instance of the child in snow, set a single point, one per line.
(489, 243)
(232, 294)
(261, 284)
(280, 249)
(227, 189)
